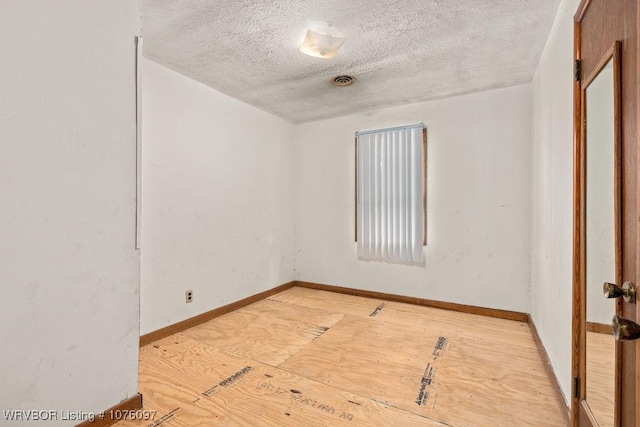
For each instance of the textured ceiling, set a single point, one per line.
(400, 51)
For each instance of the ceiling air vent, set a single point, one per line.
(342, 81)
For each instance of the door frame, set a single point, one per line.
(612, 21)
(581, 410)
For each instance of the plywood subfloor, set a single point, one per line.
(315, 358)
(266, 331)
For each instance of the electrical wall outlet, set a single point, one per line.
(188, 296)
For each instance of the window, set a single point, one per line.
(391, 194)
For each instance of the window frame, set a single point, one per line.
(424, 187)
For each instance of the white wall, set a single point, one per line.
(69, 275)
(217, 191)
(478, 201)
(552, 194)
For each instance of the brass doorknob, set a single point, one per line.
(627, 291)
(625, 329)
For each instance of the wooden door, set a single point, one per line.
(605, 41)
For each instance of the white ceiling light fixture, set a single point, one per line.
(323, 43)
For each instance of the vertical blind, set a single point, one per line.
(390, 195)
